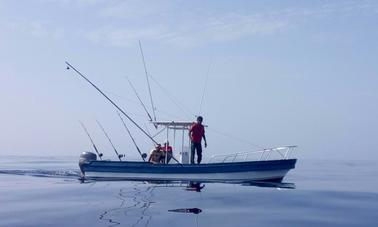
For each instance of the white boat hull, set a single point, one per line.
(234, 176)
(272, 170)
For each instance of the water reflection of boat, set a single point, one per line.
(134, 204)
(195, 186)
(268, 184)
(135, 207)
(199, 186)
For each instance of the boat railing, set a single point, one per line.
(274, 153)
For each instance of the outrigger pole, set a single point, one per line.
(132, 138)
(110, 141)
(140, 100)
(111, 101)
(148, 81)
(94, 146)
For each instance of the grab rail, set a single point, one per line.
(284, 152)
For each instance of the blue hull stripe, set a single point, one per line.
(145, 167)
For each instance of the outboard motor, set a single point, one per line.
(86, 157)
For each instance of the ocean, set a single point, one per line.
(45, 191)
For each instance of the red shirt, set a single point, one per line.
(169, 148)
(197, 131)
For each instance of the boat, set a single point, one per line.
(269, 164)
(237, 167)
(272, 171)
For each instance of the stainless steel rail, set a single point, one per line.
(283, 152)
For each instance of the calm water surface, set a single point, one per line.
(37, 191)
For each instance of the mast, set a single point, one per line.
(148, 81)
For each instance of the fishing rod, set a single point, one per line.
(175, 159)
(94, 146)
(110, 141)
(140, 100)
(132, 138)
(148, 81)
(123, 112)
(111, 101)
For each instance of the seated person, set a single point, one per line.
(156, 155)
(167, 151)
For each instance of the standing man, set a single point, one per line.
(196, 133)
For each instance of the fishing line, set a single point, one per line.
(235, 138)
(156, 134)
(120, 97)
(204, 88)
(144, 106)
(168, 115)
(187, 113)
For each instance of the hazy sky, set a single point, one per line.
(278, 72)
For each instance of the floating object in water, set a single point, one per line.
(187, 210)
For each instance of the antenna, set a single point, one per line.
(148, 81)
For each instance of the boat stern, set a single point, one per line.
(85, 158)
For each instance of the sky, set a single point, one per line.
(271, 73)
